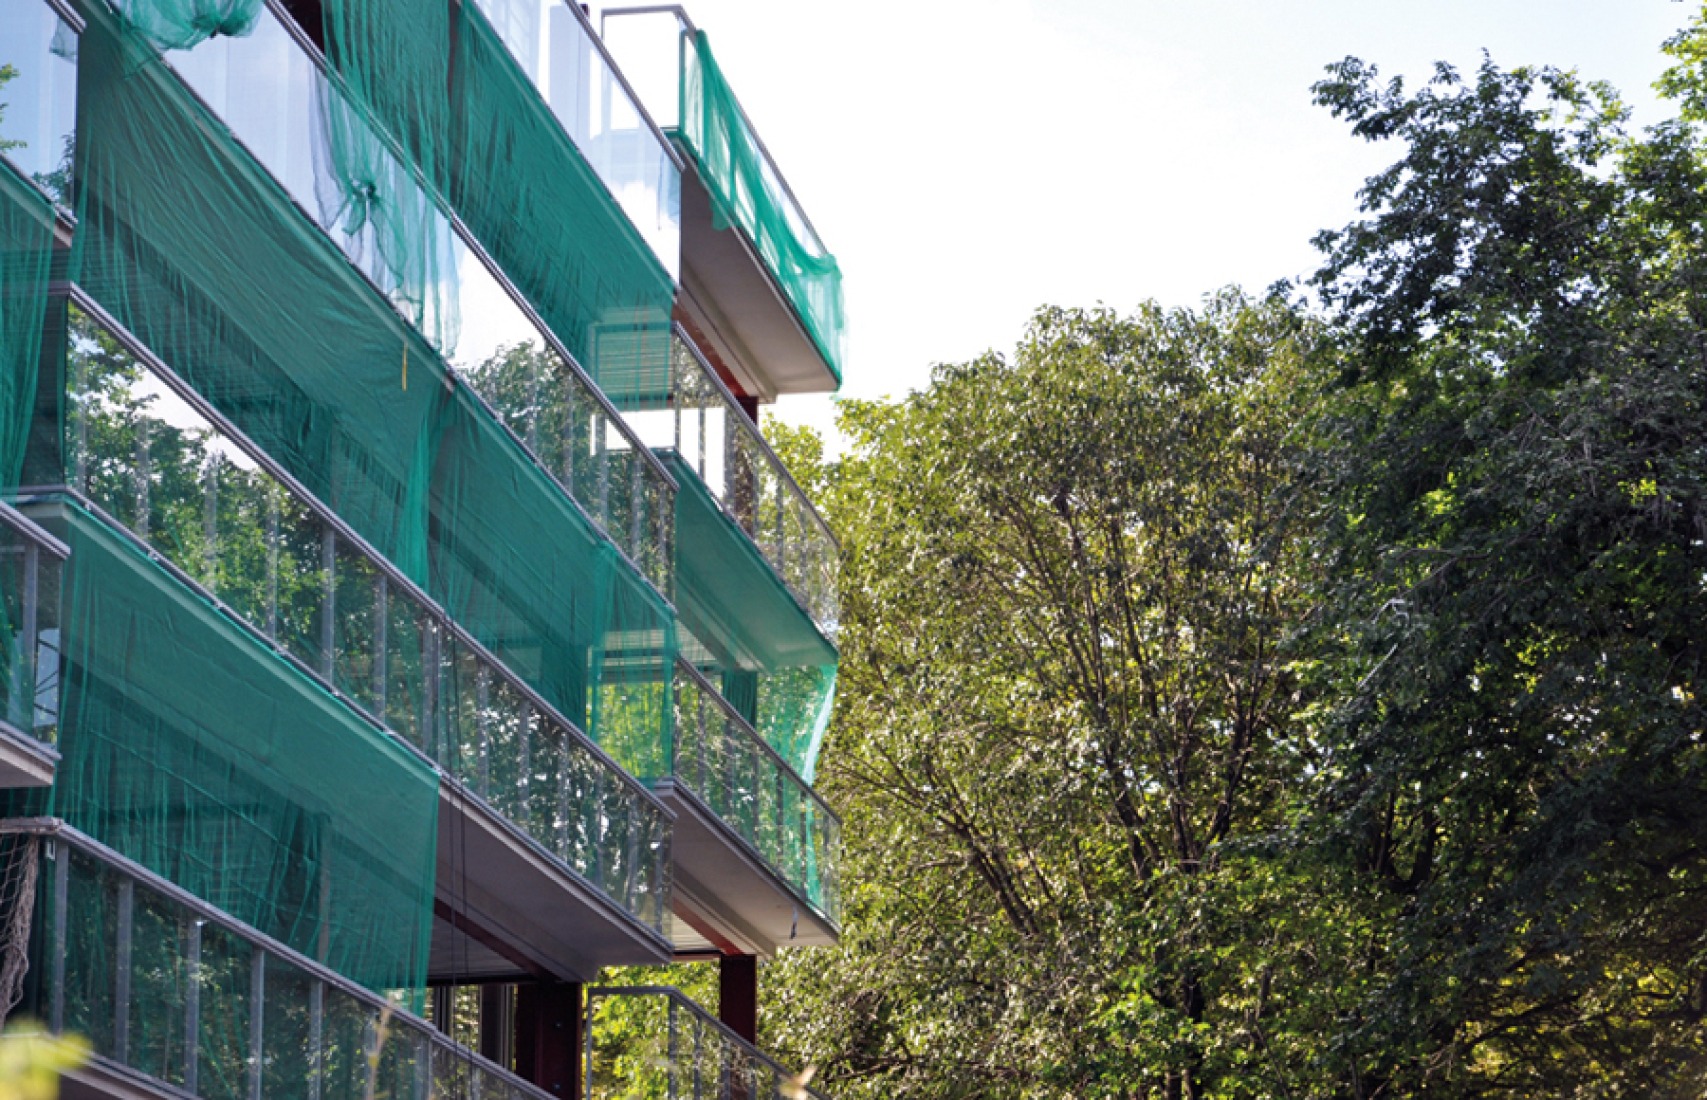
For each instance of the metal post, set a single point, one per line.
(210, 519)
(673, 1056)
(257, 1022)
(635, 509)
(329, 605)
(61, 854)
(192, 1003)
(432, 705)
(482, 723)
(122, 969)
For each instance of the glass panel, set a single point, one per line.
(286, 1031)
(562, 59)
(50, 573)
(91, 946)
(349, 1030)
(222, 1058)
(406, 679)
(38, 104)
(245, 509)
(356, 614)
(18, 679)
(302, 583)
(159, 982)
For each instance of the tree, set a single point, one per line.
(1064, 701)
(1514, 462)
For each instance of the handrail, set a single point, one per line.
(677, 999)
(705, 685)
(469, 241)
(754, 434)
(688, 24)
(188, 394)
(58, 831)
(33, 531)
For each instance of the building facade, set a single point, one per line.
(405, 618)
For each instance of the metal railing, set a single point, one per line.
(511, 362)
(724, 763)
(665, 1047)
(553, 43)
(166, 986)
(736, 166)
(31, 571)
(152, 457)
(702, 422)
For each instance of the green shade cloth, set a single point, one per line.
(180, 24)
(746, 192)
(776, 669)
(448, 91)
(205, 259)
(26, 257)
(198, 752)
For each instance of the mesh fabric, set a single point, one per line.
(200, 254)
(26, 254)
(200, 754)
(746, 192)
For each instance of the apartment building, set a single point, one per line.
(405, 618)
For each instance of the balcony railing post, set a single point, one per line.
(328, 603)
(381, 642)
(192, 1003)
(257, 1018)
(122, 967)
(61, 854)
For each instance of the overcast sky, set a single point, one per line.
(970, 160)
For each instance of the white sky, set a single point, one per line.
(969, 161)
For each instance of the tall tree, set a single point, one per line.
(1516, 466)
(1064, 698)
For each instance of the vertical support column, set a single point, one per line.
(548, 1037)
(28, 679)
(329, 605)
(738, 995)
(121, 970)
(257, 1024)
(497, 1023)
(192, 1004)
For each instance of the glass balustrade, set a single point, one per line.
(171, 988)
(38, 95)
(281, 106)
(727, 765)
(703, 424)
(747, 189)
(31, 565)
(567, 64)
(156, 464)
(653, 1043)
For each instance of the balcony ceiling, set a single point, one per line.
(731, 298)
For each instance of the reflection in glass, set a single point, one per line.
(153, 462)
(38, 95)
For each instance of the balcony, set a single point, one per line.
(653, 1042)
(179, 999)
(31, 564)
(534, 819)
(756, 849)
(270, 88)
(700, 421)
(758, 281)
(524, 508)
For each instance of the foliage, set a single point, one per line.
(1517, 469)
(1303, 701)
(31, 1061)
(1068, 578)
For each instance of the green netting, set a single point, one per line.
(537, 205)
(180, 24)
(26, 254)
(188, 243)
(746, 192)
(770, 661)
(514, 177)
(196, 751)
